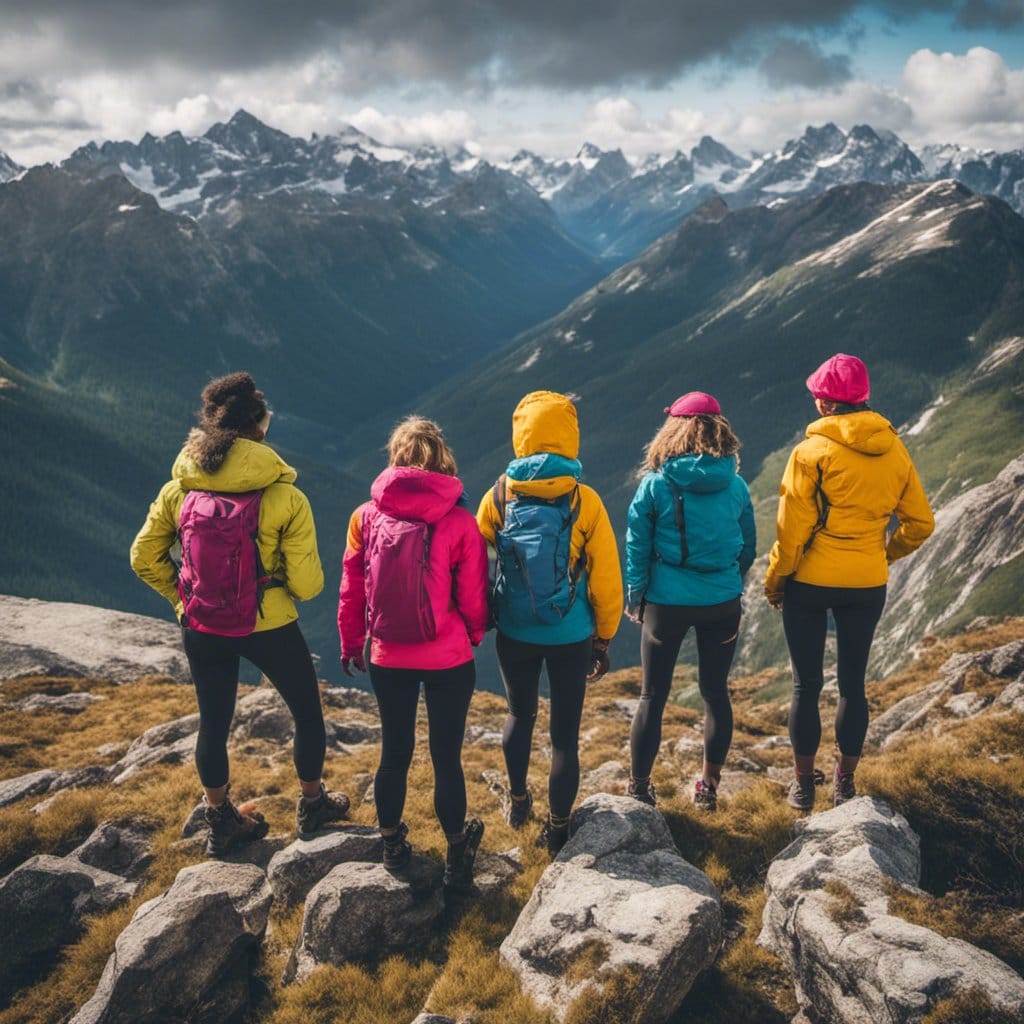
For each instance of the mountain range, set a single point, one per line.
(359, 282)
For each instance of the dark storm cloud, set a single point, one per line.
(796, 62)
(555, 43)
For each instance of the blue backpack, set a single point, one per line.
(536, 578)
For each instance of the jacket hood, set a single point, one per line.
(703, 474)
(249, 466)
(545, 421)
(543, 475)
(407, 493)
(866, 432)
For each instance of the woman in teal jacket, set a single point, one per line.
(690, 542)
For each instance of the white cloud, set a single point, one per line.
(445, 128)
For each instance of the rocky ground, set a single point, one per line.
(905, 905)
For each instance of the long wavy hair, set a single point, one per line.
(690, 435)
(419, 443)
(232, 407)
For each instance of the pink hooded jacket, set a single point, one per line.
(458, 572)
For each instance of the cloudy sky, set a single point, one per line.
(646, 75)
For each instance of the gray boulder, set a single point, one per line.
(827, 919)
(263, 715)
(1012, 697)
(361, 912)
(32, 784)
(57, 638)
(610, 777)
(298, 867)
(43, 903)
(618, 897)
(351, 733)
(432, 1018)
(168, 743)
(67, 703)
(122, 849)
(185, 955)
(348, 698)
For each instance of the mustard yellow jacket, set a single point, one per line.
(866, 476)
(546, 434)
(287, 534)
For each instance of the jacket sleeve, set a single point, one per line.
(303, 573)
(640, 525)
(352, 596)
(748, 528)
(916, 519)
(469, 570)
(487, 517)
(604, 574)
(151, 549)
(794, 523)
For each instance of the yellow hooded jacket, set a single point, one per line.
(546, 422)
(866, 476)
(287, 534)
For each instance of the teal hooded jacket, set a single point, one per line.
(720, 535)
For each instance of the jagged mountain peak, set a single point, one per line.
(709, 153)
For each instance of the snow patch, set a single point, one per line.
(127, 208)
(636, 278)
(1005, 352)
(919, 425)
(529, 360)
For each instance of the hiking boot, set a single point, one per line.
(230, 827)
(458, 863)
(642, 791)
(553, 837)
(517, 812)
(397, 849)
(843, 788)
(801, 790)
(705, 796)
(312, 814)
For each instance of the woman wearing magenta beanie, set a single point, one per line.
(842, 485)
(689, 543)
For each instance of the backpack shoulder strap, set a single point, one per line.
(821, 502)
(499, 494)
(679, 515)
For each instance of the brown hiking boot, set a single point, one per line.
(517, 812)
(801, 790)
(643, 791)
(230, 827)
(323, 809)
(843, 787)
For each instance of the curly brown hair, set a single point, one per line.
(690, 435)
(419, 443)
(232, 407)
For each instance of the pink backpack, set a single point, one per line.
(221, 580)
(397, 558)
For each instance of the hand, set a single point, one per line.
(356, 661)
(774, 598)
(601, 662)
(635, 612)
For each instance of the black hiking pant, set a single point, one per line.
(665, 626)
(283, 657)
(856, 611)
(447, 693)
(567, 667)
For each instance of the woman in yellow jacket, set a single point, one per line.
(840, 489)
(225, 457)
(557, 598)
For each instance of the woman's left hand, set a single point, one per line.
(601, 661)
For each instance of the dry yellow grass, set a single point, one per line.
(963, 804)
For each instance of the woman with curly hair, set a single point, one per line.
(689, 543)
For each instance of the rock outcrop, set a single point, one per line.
(171, 742)
(124, 849)
(297, 868)
(360, 912)
(53, 638)
(827, 918)
(619, 898)
(185, 955)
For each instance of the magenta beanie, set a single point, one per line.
(842, 378)
(694, 403)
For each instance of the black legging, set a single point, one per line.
(567, 665)
(856, 611)
(665, 625)
(448, 693)
(283, 657)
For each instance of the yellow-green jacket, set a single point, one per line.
(866, 475)
(546, 441)
(287, 534)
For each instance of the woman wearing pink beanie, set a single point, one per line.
(841, 486)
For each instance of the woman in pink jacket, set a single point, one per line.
(414, 578)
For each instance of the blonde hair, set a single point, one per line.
(690, 435)
(419, 443)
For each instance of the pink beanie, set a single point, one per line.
(694, 403)
(842, 378)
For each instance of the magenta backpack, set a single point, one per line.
(221, 580)
(397, 559)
